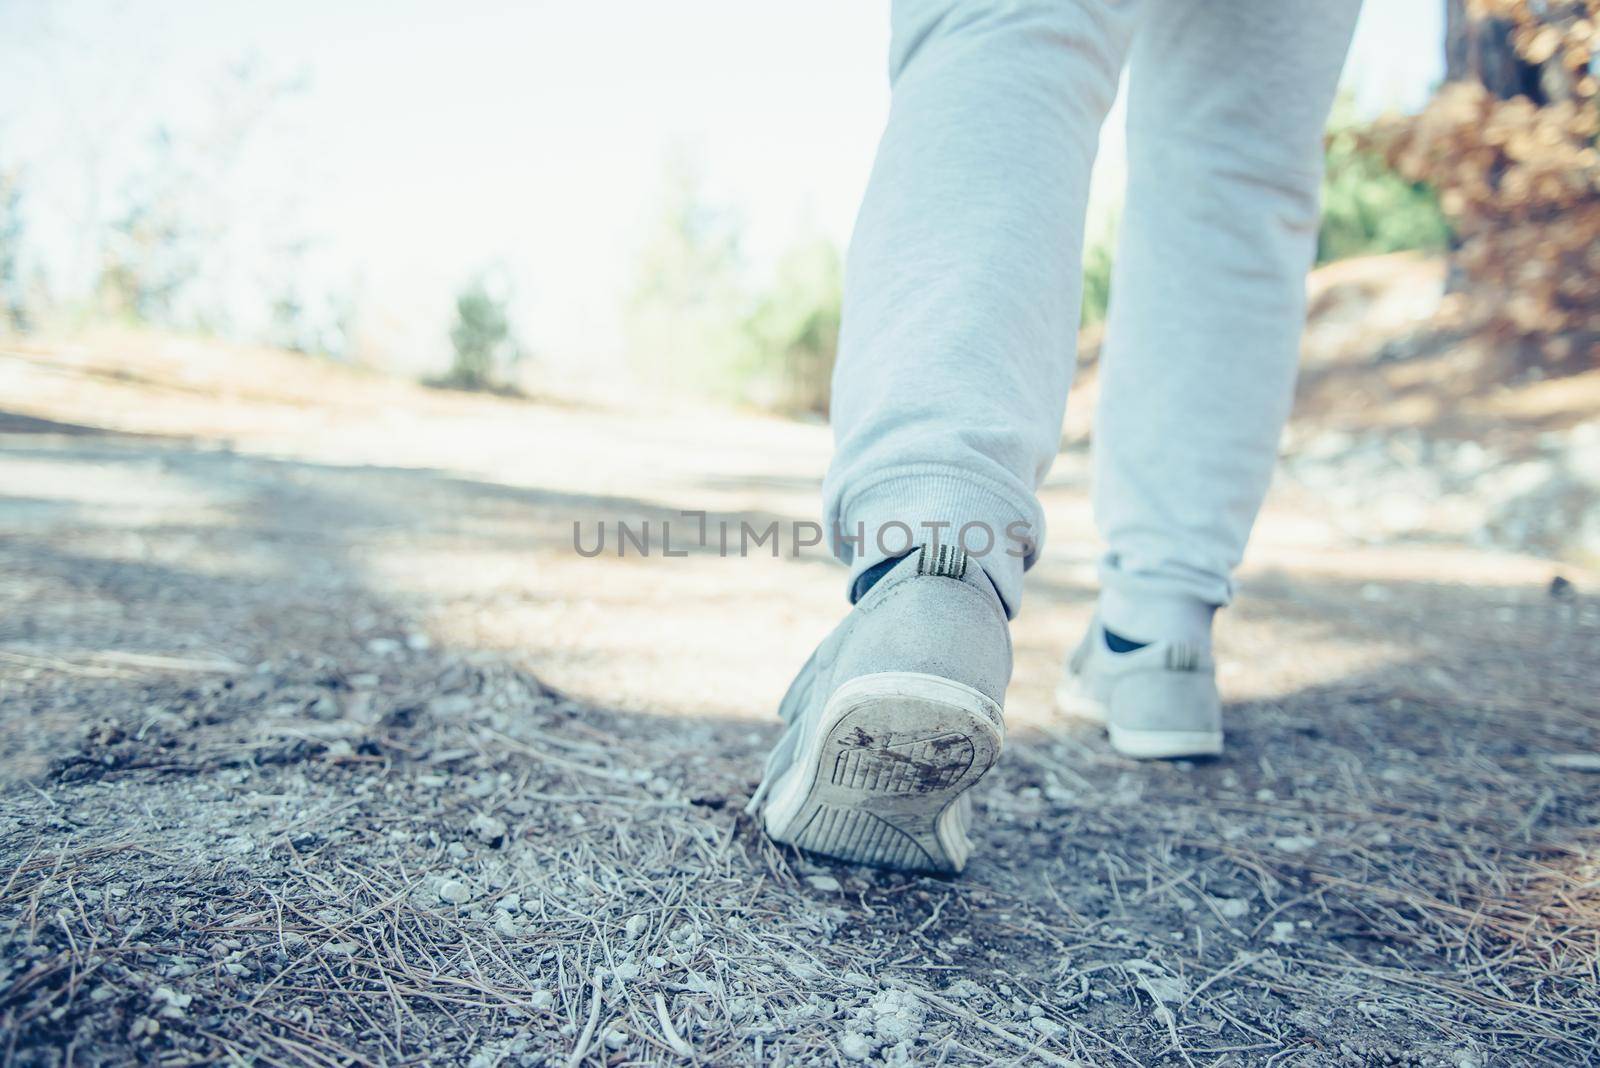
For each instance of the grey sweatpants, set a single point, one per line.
(963, 283)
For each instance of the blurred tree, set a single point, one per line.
(1478, 48)
(13, 305)
(794, 329)
(313, 319)
(152, 252)
(685, 314)
(207, 230)
(1509, 142)
(485, 350)
(700, 322)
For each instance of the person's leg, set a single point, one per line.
(961, 308)
(1227, 103)
(963, 283)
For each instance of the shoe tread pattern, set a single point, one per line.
(862, 837)
(917, 766)
(881, 792)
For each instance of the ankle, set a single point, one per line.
(1143, 620)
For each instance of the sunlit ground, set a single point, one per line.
(288, 636)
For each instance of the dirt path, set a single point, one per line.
(326, 747)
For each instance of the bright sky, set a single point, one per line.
(435, 138)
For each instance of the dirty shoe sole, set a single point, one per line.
(1074, 699)
(880, 781)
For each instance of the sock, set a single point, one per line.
(869, 578)
(1118, 644)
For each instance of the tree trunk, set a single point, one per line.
(1479, 49)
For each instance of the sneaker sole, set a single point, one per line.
(882, 780)
(1073, 700)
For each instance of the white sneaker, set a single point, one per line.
(1157, 701)
(892, 720)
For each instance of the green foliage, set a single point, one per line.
(1369, 209)
(1097, 260)
(482, 339)
(793, 331)
(697, 322)
(685, 313)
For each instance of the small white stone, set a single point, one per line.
(1165, 989)
(855, 1046)
(454, 892)
(488, 829)
(1231, 908)
(826, 883)
(170, 1001)
(898, 1016)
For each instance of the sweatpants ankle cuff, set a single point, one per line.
(895, 514)
(1145, 618)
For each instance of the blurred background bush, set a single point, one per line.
(1509, 143)
(1368, 208)
(194, 216)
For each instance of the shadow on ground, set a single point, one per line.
(261, 812)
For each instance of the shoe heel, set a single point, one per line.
(880, 782)
(1163, 745)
